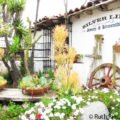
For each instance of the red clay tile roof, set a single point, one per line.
(47, 22)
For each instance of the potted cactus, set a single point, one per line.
(34, 85)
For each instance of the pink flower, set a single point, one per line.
(46, 75)
(5, 107)
(34, 76)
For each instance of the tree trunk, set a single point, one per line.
(14, 72)
(26, 61)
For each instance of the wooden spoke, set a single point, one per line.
(109, 69)
(112, 74)
(108, 73)
(97, 78)
(117, 85)
(117, 78)
(104, 71)
(96, 84)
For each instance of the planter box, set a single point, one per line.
(35, 92)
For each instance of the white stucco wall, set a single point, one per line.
(84, 41)
(38, 63)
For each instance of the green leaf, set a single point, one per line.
(15, 47)
(15, 5)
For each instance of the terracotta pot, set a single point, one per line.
(76, 59)
(35, 92)
(2, 86)
(116, 48)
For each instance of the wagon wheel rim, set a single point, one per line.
(110, 77)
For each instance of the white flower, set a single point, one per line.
(32, 116)
(69, 104)
(46, 118)
(81, 110)
(39, 110)
(62, 115)
(78, 100)
(54, 100)
(89, 99)
(71, 118)
(64, 107)
(88, 103)
(74, 106)
(37, 104)
(51, 115)
(57, 107)
(73, 97)
(30, 111)
(50, 104)
(93, 97)
(105, 90)
(25, 106)
(47, 111)
(110, 119)
(23, 117)
(111, 97)
(57, 114)
(116, 92)
(96, 91)
(118, 99)
(41, 104)
(76, 113)
(94, 88)
(112, 108)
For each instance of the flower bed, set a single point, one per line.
(62, 107)
(71, 107)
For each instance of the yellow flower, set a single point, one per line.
(1, 53)
(60, 34)
(60, 59)
(71, 55)
(74, 82)
(60, 73)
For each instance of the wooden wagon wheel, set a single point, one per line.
(106, 75)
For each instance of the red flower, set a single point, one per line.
(38, 116)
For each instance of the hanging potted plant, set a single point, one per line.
(116, 48)
(78, 58)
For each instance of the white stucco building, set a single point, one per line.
(98, 17)
(103, 19)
